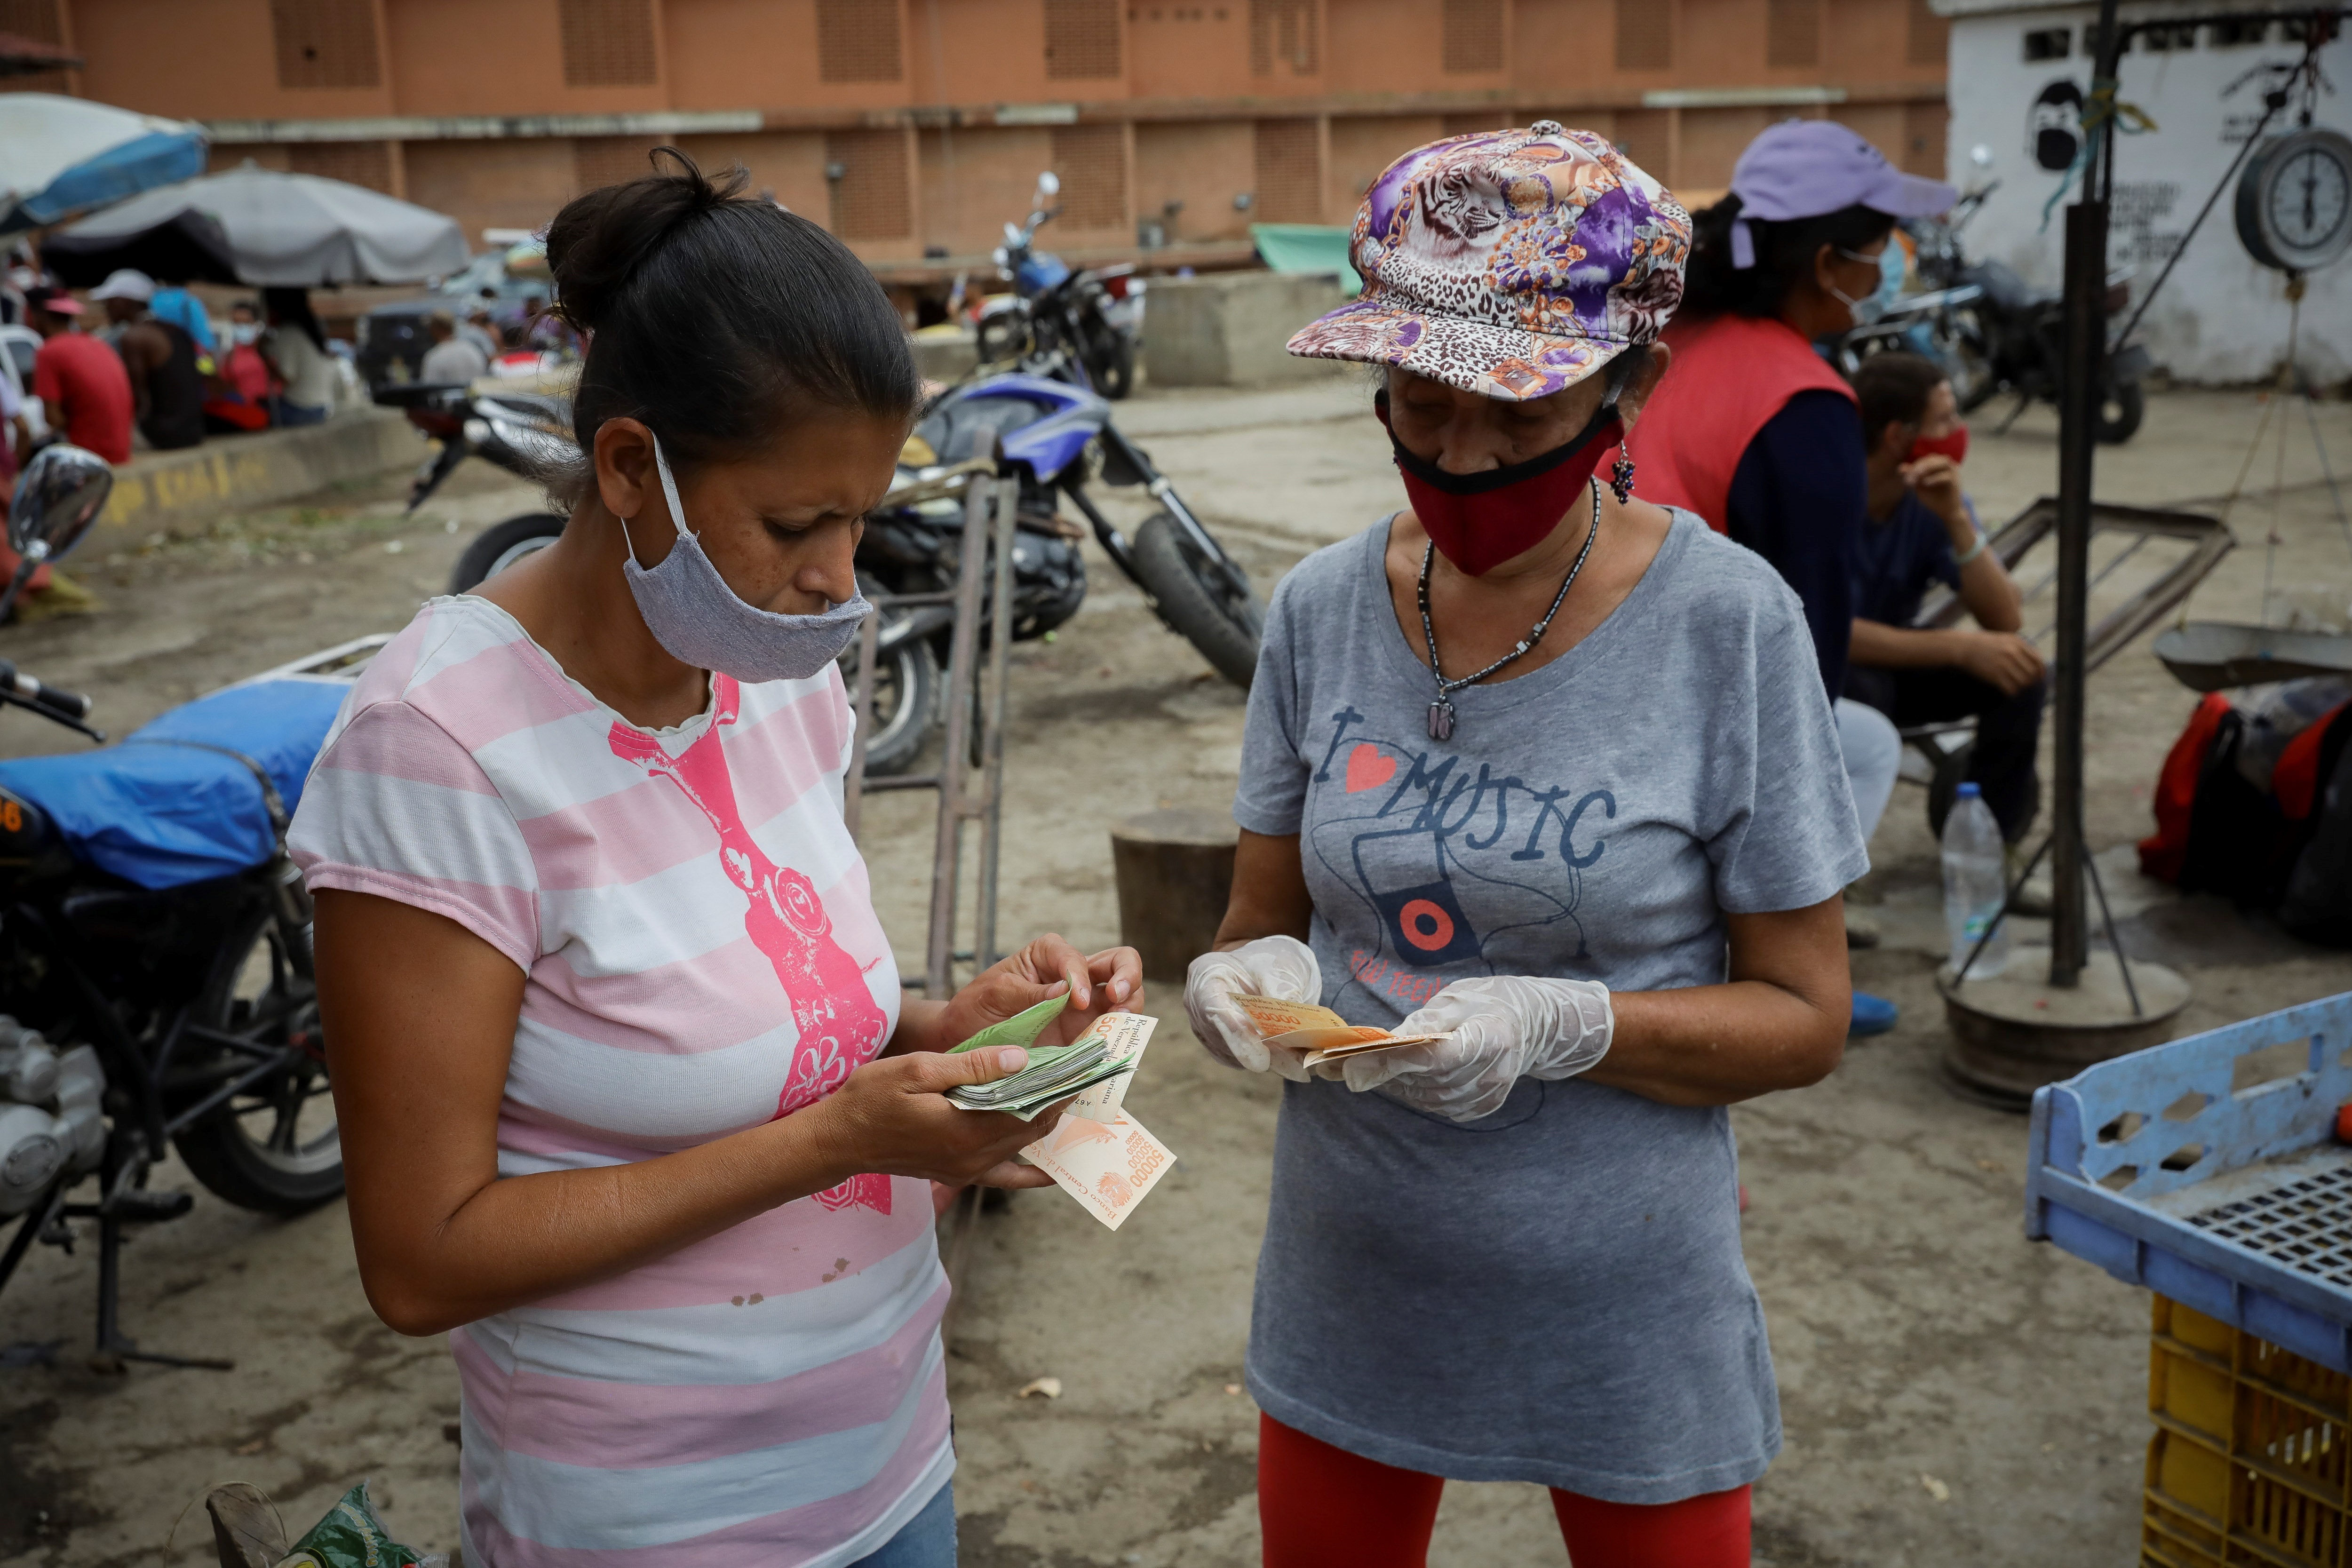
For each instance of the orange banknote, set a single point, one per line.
(1108, 1166)
(1321, 1034)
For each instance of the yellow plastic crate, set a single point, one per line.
(2251, 1465)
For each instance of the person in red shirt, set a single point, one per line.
(81, 383)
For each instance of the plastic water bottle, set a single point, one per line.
(1974, 885)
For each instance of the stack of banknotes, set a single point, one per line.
(1096, 1153)
(1055, 1073)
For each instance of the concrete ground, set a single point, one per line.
(1952, 1395)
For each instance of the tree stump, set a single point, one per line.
(1175, 870)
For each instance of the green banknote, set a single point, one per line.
(1020, 1029)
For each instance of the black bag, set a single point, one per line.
(2240, 843)
(2317, 902)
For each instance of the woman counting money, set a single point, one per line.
(1546, 771)
(629, 1099)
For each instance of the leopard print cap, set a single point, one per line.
(1508, 263)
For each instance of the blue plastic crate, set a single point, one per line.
(2208, 1171)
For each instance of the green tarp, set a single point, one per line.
(1307, 248)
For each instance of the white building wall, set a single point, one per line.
(2220, 317)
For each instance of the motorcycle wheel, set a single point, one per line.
(1966, 366)
(1194, 601)
(1113, 363)
(274, 1149)
(502, 546)
(906, 703)
(1001, 337)
(2120, 411)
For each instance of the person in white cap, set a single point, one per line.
(169, 302)
(167, 373)
(1755, 432)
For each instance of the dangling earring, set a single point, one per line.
(1621, 479)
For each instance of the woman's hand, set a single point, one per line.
(1499, 1028)
(891, 1117)
(1279, 966)
(1106, 982)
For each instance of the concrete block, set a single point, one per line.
(227, 473)
(1228, 329)
(943, 357)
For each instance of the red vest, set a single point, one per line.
(1730, 374)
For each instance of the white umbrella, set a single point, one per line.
(61, 157)
(296, 230)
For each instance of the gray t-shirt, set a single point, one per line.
(1554, 1293)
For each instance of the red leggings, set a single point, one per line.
(1322, 1507)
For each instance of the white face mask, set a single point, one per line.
(699, 620)
(245, 331)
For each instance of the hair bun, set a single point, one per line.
(598, 242)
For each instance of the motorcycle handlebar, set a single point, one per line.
(56, 699)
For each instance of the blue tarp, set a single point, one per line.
(158, 158)
(162, 814)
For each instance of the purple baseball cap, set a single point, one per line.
(1806, 168)
(1508, 263)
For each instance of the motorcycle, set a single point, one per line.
(1077, 326)
(157, 972)
(525, 433)
(1992, 333)
(1057, 439)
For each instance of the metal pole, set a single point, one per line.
(853, 792)
(939, 958)
(2086, 225)
(991, 729)
(2078, 407)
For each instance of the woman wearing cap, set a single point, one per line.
(1545, 771)
(1755, 432)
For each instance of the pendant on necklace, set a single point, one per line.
(1441, 720)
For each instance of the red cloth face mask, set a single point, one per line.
(1954, 446)
(1480, 521)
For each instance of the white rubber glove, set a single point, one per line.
(1279, 966)
(1503, 1028)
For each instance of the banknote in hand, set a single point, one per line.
(1108, 1166)
(1103, 1058)
(1317, 1033)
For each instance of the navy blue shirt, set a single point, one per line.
(1896, 560)
(1800, 498)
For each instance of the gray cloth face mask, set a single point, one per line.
(699, 620)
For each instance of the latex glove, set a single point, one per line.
(1503, 1028)
(1279, 966)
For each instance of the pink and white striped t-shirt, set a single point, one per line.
(702, 956)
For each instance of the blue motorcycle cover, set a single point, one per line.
(164, 809)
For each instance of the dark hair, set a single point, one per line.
(1893, 389)
(292, 308)
(716, 319)
(1784, 256)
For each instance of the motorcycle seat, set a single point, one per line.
(970, 427)
(180, 800)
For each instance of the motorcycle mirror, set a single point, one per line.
(1980, 155)
(1011, 234)
(59, 496)
(1049, 183)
